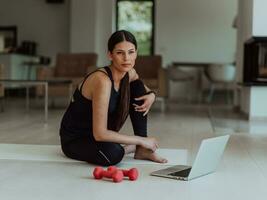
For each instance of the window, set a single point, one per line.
(137, 16)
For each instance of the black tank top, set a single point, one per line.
(78, 120)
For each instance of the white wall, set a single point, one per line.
(47, 24)
(258, 108)
(253, 100)
(92, 22)
(259, 18)
(200, 31)
(105, 26)
(82, 25)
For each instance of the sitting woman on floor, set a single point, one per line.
(100, 106)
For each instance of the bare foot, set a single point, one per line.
(146, 154)
(130, 148)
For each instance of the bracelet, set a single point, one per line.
(151, 91)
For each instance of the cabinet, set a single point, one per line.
(16, 66)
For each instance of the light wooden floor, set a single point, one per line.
(242, 173)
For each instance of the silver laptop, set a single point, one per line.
(207, 159)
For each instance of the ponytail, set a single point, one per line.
(124, 103)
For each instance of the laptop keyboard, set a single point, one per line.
(183, 173)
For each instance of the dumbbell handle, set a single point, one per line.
(131, 173)
(113, 168)
(107, 174)
(125, 172)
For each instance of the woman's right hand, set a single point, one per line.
(149, 143)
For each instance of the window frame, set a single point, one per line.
(152, 48)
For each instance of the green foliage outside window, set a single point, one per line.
(136, 17)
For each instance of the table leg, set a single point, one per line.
(70, 91)
(29, 72)
(27, 98)
(200, 71)
(46, 102)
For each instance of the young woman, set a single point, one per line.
(100, 106)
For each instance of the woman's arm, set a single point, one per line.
(133, 75)
(147, 98)
(100, 99)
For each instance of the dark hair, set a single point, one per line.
(124, 102)
(120, 36)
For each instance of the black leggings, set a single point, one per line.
(109, 153)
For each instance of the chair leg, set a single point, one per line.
(169, 90)
(229, 91)
(1, 104)
(200, 98)
(211, 93)
(190, 95)
(163, 105)
(53, 103)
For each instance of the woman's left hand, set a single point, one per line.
(148, 101)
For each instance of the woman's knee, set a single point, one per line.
(112, 154)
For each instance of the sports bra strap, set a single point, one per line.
(108, 70)
(108, 73)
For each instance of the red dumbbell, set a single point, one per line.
(112, 168)
(132, 173)
(116, 175)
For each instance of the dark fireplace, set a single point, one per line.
(255, 61)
